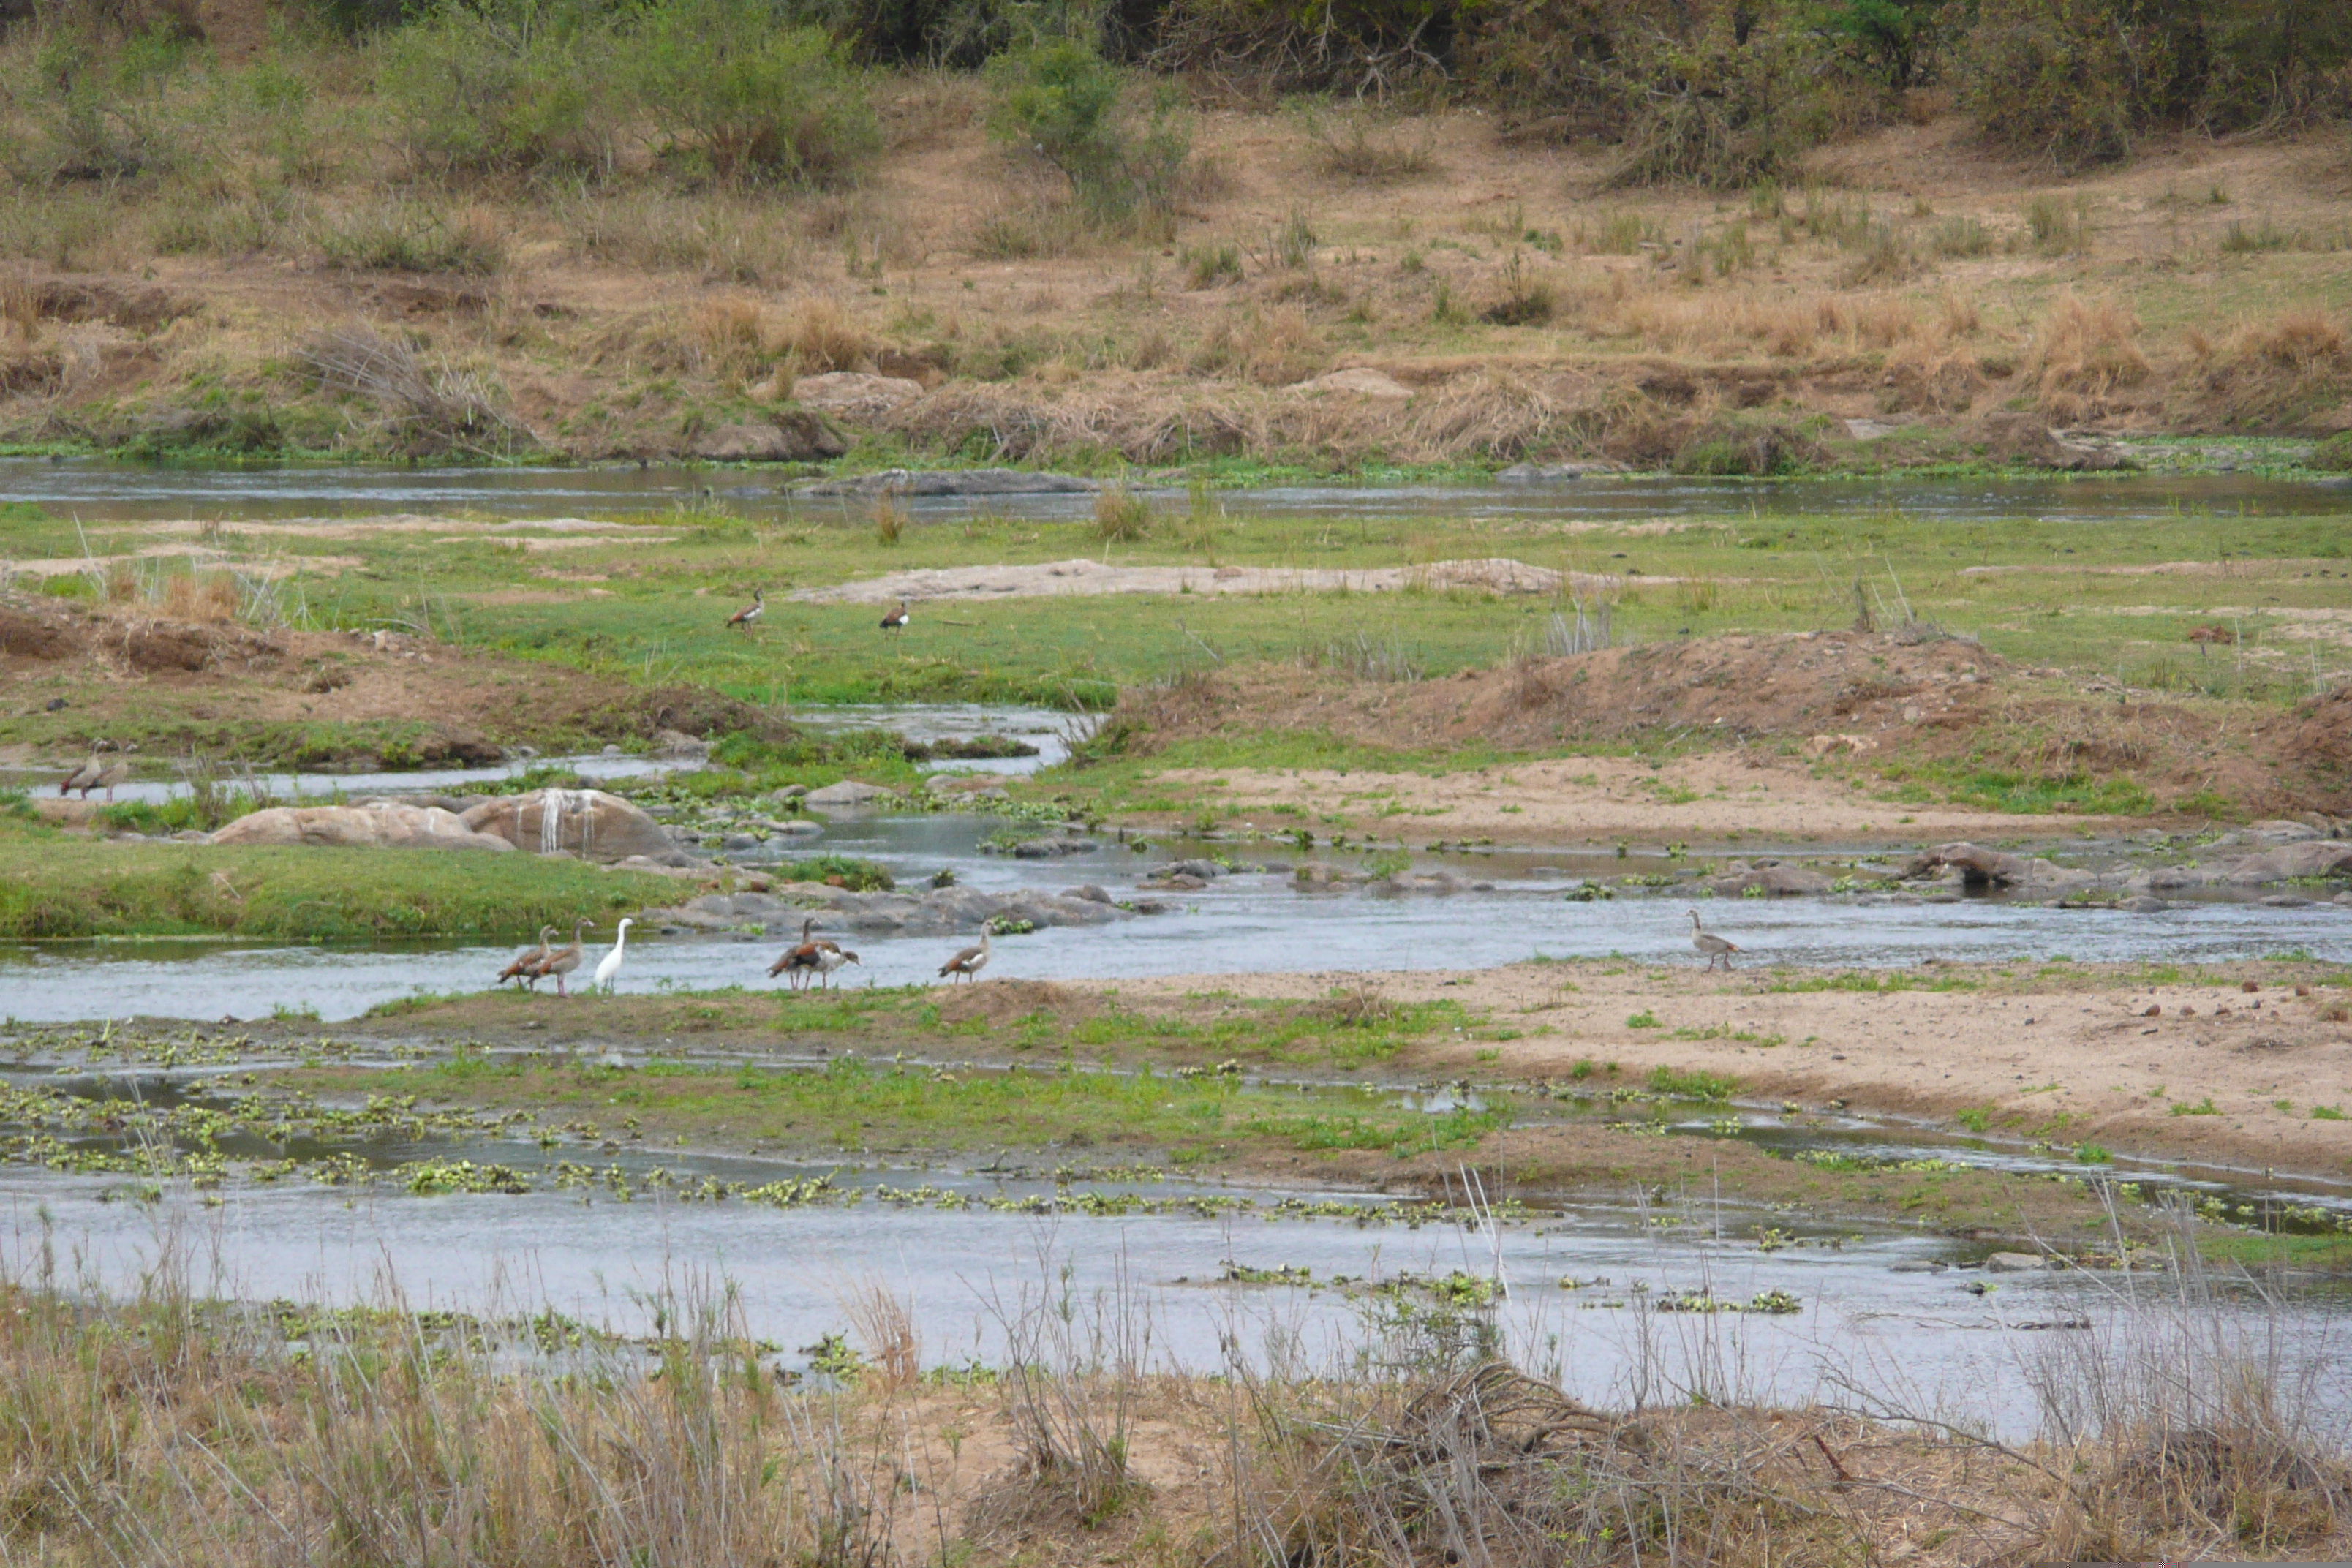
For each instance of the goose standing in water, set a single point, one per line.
(114, 774)
(830, 957)
(84, 778)
(970, 962)
(563, 960)
(798, 963)
(526, 965)
(1717, 950)
(611, 967)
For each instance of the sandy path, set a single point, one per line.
(1606, 798)
(1081, 576)
(2069, 1058)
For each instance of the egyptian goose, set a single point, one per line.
(830, 957)
(528, 960)
(896, 621)
(563, 960)
(611, 965)
(1717, 949)
(798, 963)
(750, 613)
(116, 772)
(84, 778)
(970, 962)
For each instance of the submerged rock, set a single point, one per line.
(849, 792)
(1774, 880)
(379, 825)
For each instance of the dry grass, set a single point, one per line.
(2083, 354)
(821, 335)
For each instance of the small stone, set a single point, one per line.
(2015, 1263)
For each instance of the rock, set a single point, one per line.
(952, 482)
(2025, 440)
(849, 792)
(587, 822)
(801, 828)
(2312, 858)
(687, 868)
(925, 913)
(1360, 383)
(2144, 906)
(1089, 892)
(2015, 1263)
(1179, 883)
(1555, 473)
(1438, 881)
(1917, 1266)
(388, 824)
(675, 745)
(794, 435)
(790, 792)
(2282, 832)
(1051, 848)
(738, 842)
(1776, 881)
(2286, 901)
(1316, 875)
(855, 395)
(1203, 870)
(1977, 867)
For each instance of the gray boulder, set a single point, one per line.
(1775, 880)
(2312, 858)
(849, 792)
(1978, 867)
(588, 822)
(380, 824)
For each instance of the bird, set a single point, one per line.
(797, 962)
(116, 772)
(896, 621)
(84, 778)
(970, 962)
(830, 957)
(530, 959)
(563, 960)
(751, 612)
(611, 965)
(1717, 949)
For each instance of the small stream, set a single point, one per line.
(1514, 909)
(99, 492)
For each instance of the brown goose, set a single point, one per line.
(829, 958)
(970, 962)
(563, 960)
(528, 960)
(896, 621)
(750, 614)
(114, 774)
(84, 778)
(800, 962)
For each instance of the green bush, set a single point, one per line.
(2051, 77)
(751, 98)
(1060, 98)
(504, 84)
(97, 107)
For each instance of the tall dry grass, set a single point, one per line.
(2084, 352)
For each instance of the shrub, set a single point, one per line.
(754, 101)
(2050, 77)
(1060, 97)
(1727, 110)
(1121, 515)
(504, 84)
(1212, 262)
(97, 106)
(412, 237)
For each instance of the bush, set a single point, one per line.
(504, 84)
(2050, 77)
(97, 105)
(753, 99)
(1060, 97)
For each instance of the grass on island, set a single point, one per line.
(55, 886)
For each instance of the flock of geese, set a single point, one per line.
(818, 957)
(813, 956)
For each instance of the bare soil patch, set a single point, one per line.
(1081, 576)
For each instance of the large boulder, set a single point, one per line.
(2292, 862)
(588, 822)
(849, 792)
(378, 824)
(1775, 880)
(1978, 867)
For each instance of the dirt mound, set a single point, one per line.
(999, 1002)
(28, 633)
(1734, 687)
(2321, 741)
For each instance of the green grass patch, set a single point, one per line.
(54, 887)
(1677, 1084)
